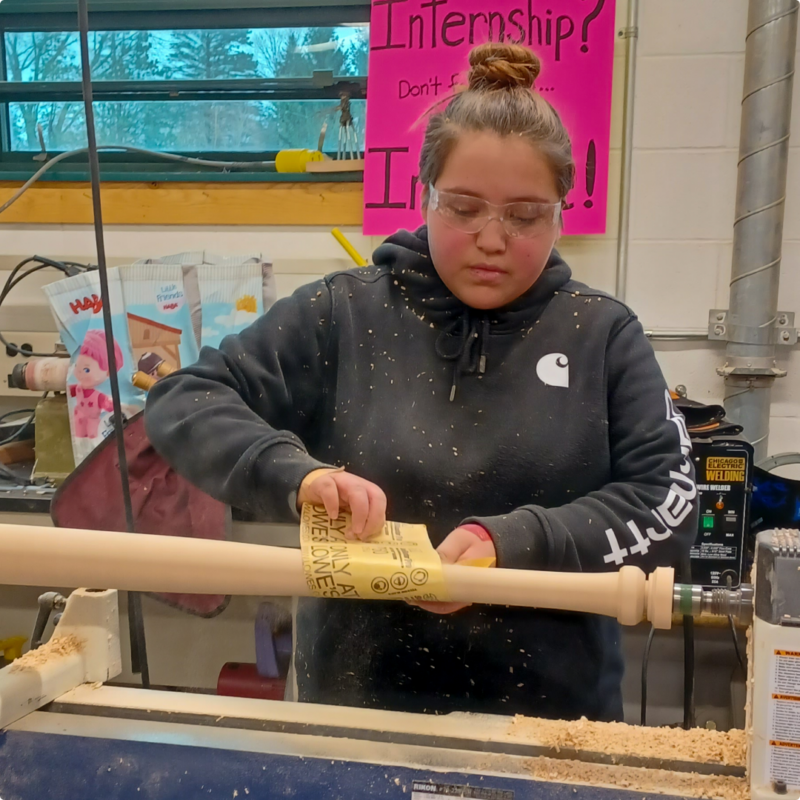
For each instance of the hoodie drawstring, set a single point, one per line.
(469, 355)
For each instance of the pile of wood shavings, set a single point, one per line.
(637, 779)
(617, 738)
(55, 648)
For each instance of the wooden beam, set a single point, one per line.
(17, 452)
(129, 203)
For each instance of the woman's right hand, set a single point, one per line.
(338, 490)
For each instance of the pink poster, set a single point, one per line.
(418, 52)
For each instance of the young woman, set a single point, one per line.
(464, 382)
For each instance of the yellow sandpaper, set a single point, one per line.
(479, 562)
(399, 564)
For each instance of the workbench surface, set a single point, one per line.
(73, 756)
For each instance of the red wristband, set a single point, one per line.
(478, 530)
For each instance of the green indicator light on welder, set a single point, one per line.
(708, 523)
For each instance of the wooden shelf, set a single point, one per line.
(317, 203)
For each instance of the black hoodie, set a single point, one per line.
(547, 421)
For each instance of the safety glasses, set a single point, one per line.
(472, 214)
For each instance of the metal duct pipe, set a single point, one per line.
(752, 321)
(631, 35)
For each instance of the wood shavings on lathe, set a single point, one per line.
(638, 779)
(617, 738)
(56, 648)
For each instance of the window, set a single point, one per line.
(244, 90)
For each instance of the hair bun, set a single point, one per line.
(502, 66)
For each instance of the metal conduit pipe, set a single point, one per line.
(631, 35)
(751, 324)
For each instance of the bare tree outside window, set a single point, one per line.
(207, 125)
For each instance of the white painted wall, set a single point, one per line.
(689, 85)
(688, 102)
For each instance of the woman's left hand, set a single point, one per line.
(459, 546)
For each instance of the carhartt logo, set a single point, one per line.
(553, 370)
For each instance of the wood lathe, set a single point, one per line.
(67, 734)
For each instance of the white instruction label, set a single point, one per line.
(785, 718)
(787, 672)
(428, 790)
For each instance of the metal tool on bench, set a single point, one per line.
(48, 603)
